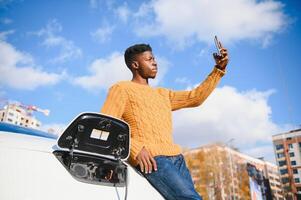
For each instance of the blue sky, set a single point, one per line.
(64, 55)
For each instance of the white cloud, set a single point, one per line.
(6, 21)
(226, 114)
(18, 70)
(104, 72)
(103, 34)
(123, 13)
(265, 151)
(54, 128)
(2, 94)
(4, 34)
(107, 71)
(68, 50)
(144, 11)
(182, 80)
(199, 20)
(96, 4)
(93, 4)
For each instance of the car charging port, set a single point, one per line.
(93, 169)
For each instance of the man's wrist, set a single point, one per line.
(220, 68)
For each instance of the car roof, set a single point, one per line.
(11, 128)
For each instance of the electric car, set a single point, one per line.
(88, 161)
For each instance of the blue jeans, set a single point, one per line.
(172, 179)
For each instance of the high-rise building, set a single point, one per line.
(16, 114)
(220, 172)
(287, 147)
(272, 174)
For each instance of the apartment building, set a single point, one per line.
(220, 172)
(18, 115)
(271, 172)
(287, 148)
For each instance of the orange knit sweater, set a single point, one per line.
(148, 112)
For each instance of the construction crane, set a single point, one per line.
(28, 108)
(31, 108)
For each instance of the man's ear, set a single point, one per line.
(135, 65)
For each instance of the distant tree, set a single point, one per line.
(243, 181)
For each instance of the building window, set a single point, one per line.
(295, 171)
(282, 163)
(11, 114)
(9, 119)
(279, 146)
(289, 138)
(290, 146)
(280, 155)
(293, 162)
(297, 180)
(285, 180)
(292, 154)
(283, 171)
(299, 189)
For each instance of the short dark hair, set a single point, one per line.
(132, 51)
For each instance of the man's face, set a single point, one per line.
(146, 65)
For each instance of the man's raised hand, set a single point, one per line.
(146, 161)
(221, 60)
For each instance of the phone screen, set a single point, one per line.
(217, 45)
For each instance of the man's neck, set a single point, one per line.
(140, 80)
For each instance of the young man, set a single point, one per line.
(148, 112)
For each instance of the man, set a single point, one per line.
(148, 112)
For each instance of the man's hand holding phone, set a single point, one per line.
(221, 57)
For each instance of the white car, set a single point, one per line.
(86, 163)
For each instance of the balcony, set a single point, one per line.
(280, 159)
(283, 167)
(284, 175)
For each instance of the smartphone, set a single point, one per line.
(217, 45)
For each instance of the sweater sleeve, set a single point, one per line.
(115, 103)
(195, 97)
(136, 147)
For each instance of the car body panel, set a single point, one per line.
(30, 171)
